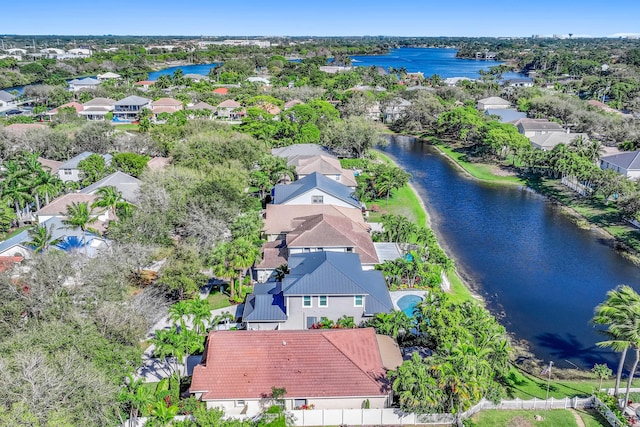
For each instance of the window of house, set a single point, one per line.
(358, 300)
(67, 171)
(317, 200)
(306, 301)
(337, 177)
(349, 249)
(323, 301)
(239, 403)
(306, 250)
(311, 320)
(299, 403)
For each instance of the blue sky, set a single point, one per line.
(322, 17)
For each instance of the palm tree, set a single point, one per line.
(243, 254)
(79, 215)
(620, 311)
(45, 184)
(415, 386)
(42, 238)
(178, 312)
(111, 198)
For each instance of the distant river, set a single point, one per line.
(429, 61)
(539, 273)
(186, 69)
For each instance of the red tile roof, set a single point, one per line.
(309, 363)
(21, 128)
(8, 262)
(145, 83)
(75, 105)
(221, 90)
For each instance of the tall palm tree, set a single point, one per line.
(45, 184)
(243, 254)
(620, 312)
(79, 215)
(42, 238)
(111, 198)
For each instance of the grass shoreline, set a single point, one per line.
(460, 290)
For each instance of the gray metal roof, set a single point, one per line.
(6, 96)
(282, 193)
(629, 160)
(86, 81)
(124, 183)
(133, 100)
(73, 162)
(336, 273)
(266, 304)
(301, 150)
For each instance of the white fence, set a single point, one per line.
(395, 417)
(607, 413)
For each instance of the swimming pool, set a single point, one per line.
(408, 302)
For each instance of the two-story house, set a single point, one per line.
(69, 171)
(165, 105)
(319, 284)
(318, 233)
(97, 108)
(325, 165)
(315, 189)
(129, 108)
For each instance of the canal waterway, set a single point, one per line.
(538, 272)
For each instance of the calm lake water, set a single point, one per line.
(186, 69)
(539, 273)
(429, 61)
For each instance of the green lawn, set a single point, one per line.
(527, 387)
(127, 126)
(459, 292)
(482, 171)
(218, 300)
(592, 418)
(551, 418)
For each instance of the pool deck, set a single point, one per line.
(396, 295)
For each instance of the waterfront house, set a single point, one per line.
(533, 127)
(279, 220)
(492, 103)
(7, 101)
(144, 84)
(108, 76)
(547, 141)
(325, 165)
(87, 83)
(68, 171)
(97, 108)
(196, 77)
(393, 110)
(519, 82)
(318, 284)
(315, 189)
(318, 233)
(303, 150)
(322, 369)
(129, 108)
(626, 163)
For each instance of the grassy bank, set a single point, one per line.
(551, 418)
(592, 212)
(406, 202)
(481, 171)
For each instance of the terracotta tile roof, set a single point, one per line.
(292, 103)
(202, 106)
(221, 90)
(8, 262)
(160, 110)
(279, 219)
(310, 363)
(327, 231)
(75, 105)
(145, 83)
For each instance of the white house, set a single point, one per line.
(315, 189)
(492, 103)
(625, 163)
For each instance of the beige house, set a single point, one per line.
(326, 369)
(230, 110)
(533, 127)
(547, 141)
(492, 103)
(325, 165)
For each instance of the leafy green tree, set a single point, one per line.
(93, 169)
(353, 137)
(602, 371)
(415, 386)
(130, 163)
(393, 324)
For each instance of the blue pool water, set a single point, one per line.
(408, 302)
